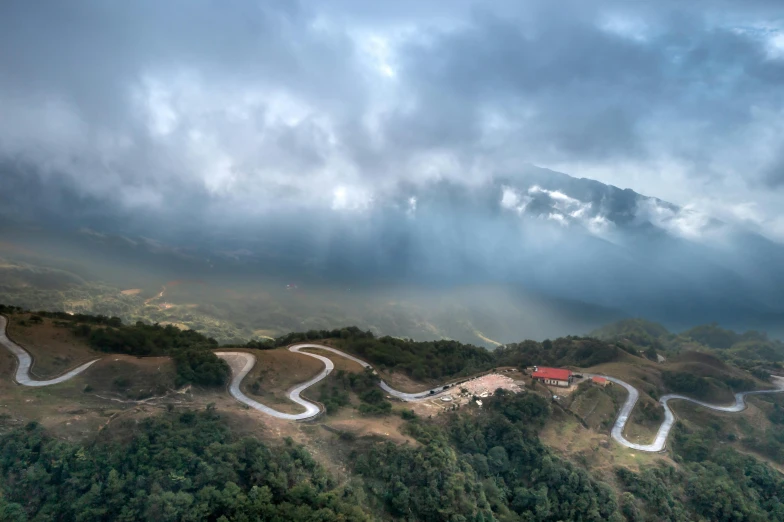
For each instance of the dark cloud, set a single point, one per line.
(202, 108)
(774, 173)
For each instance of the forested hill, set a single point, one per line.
(477, 466)
(429, 360)
(469, 464)
(747, 350)
(447, 358)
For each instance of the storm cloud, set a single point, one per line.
(400, 141)
(242, 108)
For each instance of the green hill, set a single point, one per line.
(751, 350)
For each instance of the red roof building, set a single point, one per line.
(600, 381)
(555, 376)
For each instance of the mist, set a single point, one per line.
(587, 155)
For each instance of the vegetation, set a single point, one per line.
(335, 395)
(192, 351)
(638, 332)
(471, 464)
(752, 351)
(769, 442)
(420, 360)
(566, 351)
(489, 466)
(714, 483)
(196, 362)
(437, 360)
(688, 383)
(177, 467)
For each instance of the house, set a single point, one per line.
(601, 381)
(553, 376)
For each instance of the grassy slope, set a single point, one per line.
(276, 372)
(55, 350)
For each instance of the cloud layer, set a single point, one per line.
(186, 109)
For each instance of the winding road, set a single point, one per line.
(660, 441)
(241, 364)
(25, 361)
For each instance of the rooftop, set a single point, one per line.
(558, 374)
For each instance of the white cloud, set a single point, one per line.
(412, 206)
(155, 101)
(513, 200)
(775, 46)
(350, 198)
(625, 25)
(378, 52)
(685, 221)
(558, 218)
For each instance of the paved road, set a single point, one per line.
(26, 361)
(242, 362)
(660, 441)
(384, 386)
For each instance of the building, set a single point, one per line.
(553, 376)
(601, 381)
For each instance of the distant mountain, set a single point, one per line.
(534, 232)
(746, 349)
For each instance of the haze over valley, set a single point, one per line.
(349, 261)
(535, 255)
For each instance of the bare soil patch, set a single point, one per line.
(388, 427)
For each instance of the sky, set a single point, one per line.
(236, 110)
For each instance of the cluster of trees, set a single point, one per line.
(751, 350)
(143, 339)
(83, 318)
(714, 483)
(191, 351)
(771, 442)
(173, 468)
(686, 382)
(420, 360)
(640, 332)
(8, 309)
(349, 332)
(565, 351)
(334, 394)
(488, 466)
(716, 337)
(704, 387)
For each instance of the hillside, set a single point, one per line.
(751, 350)
(505, 458)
